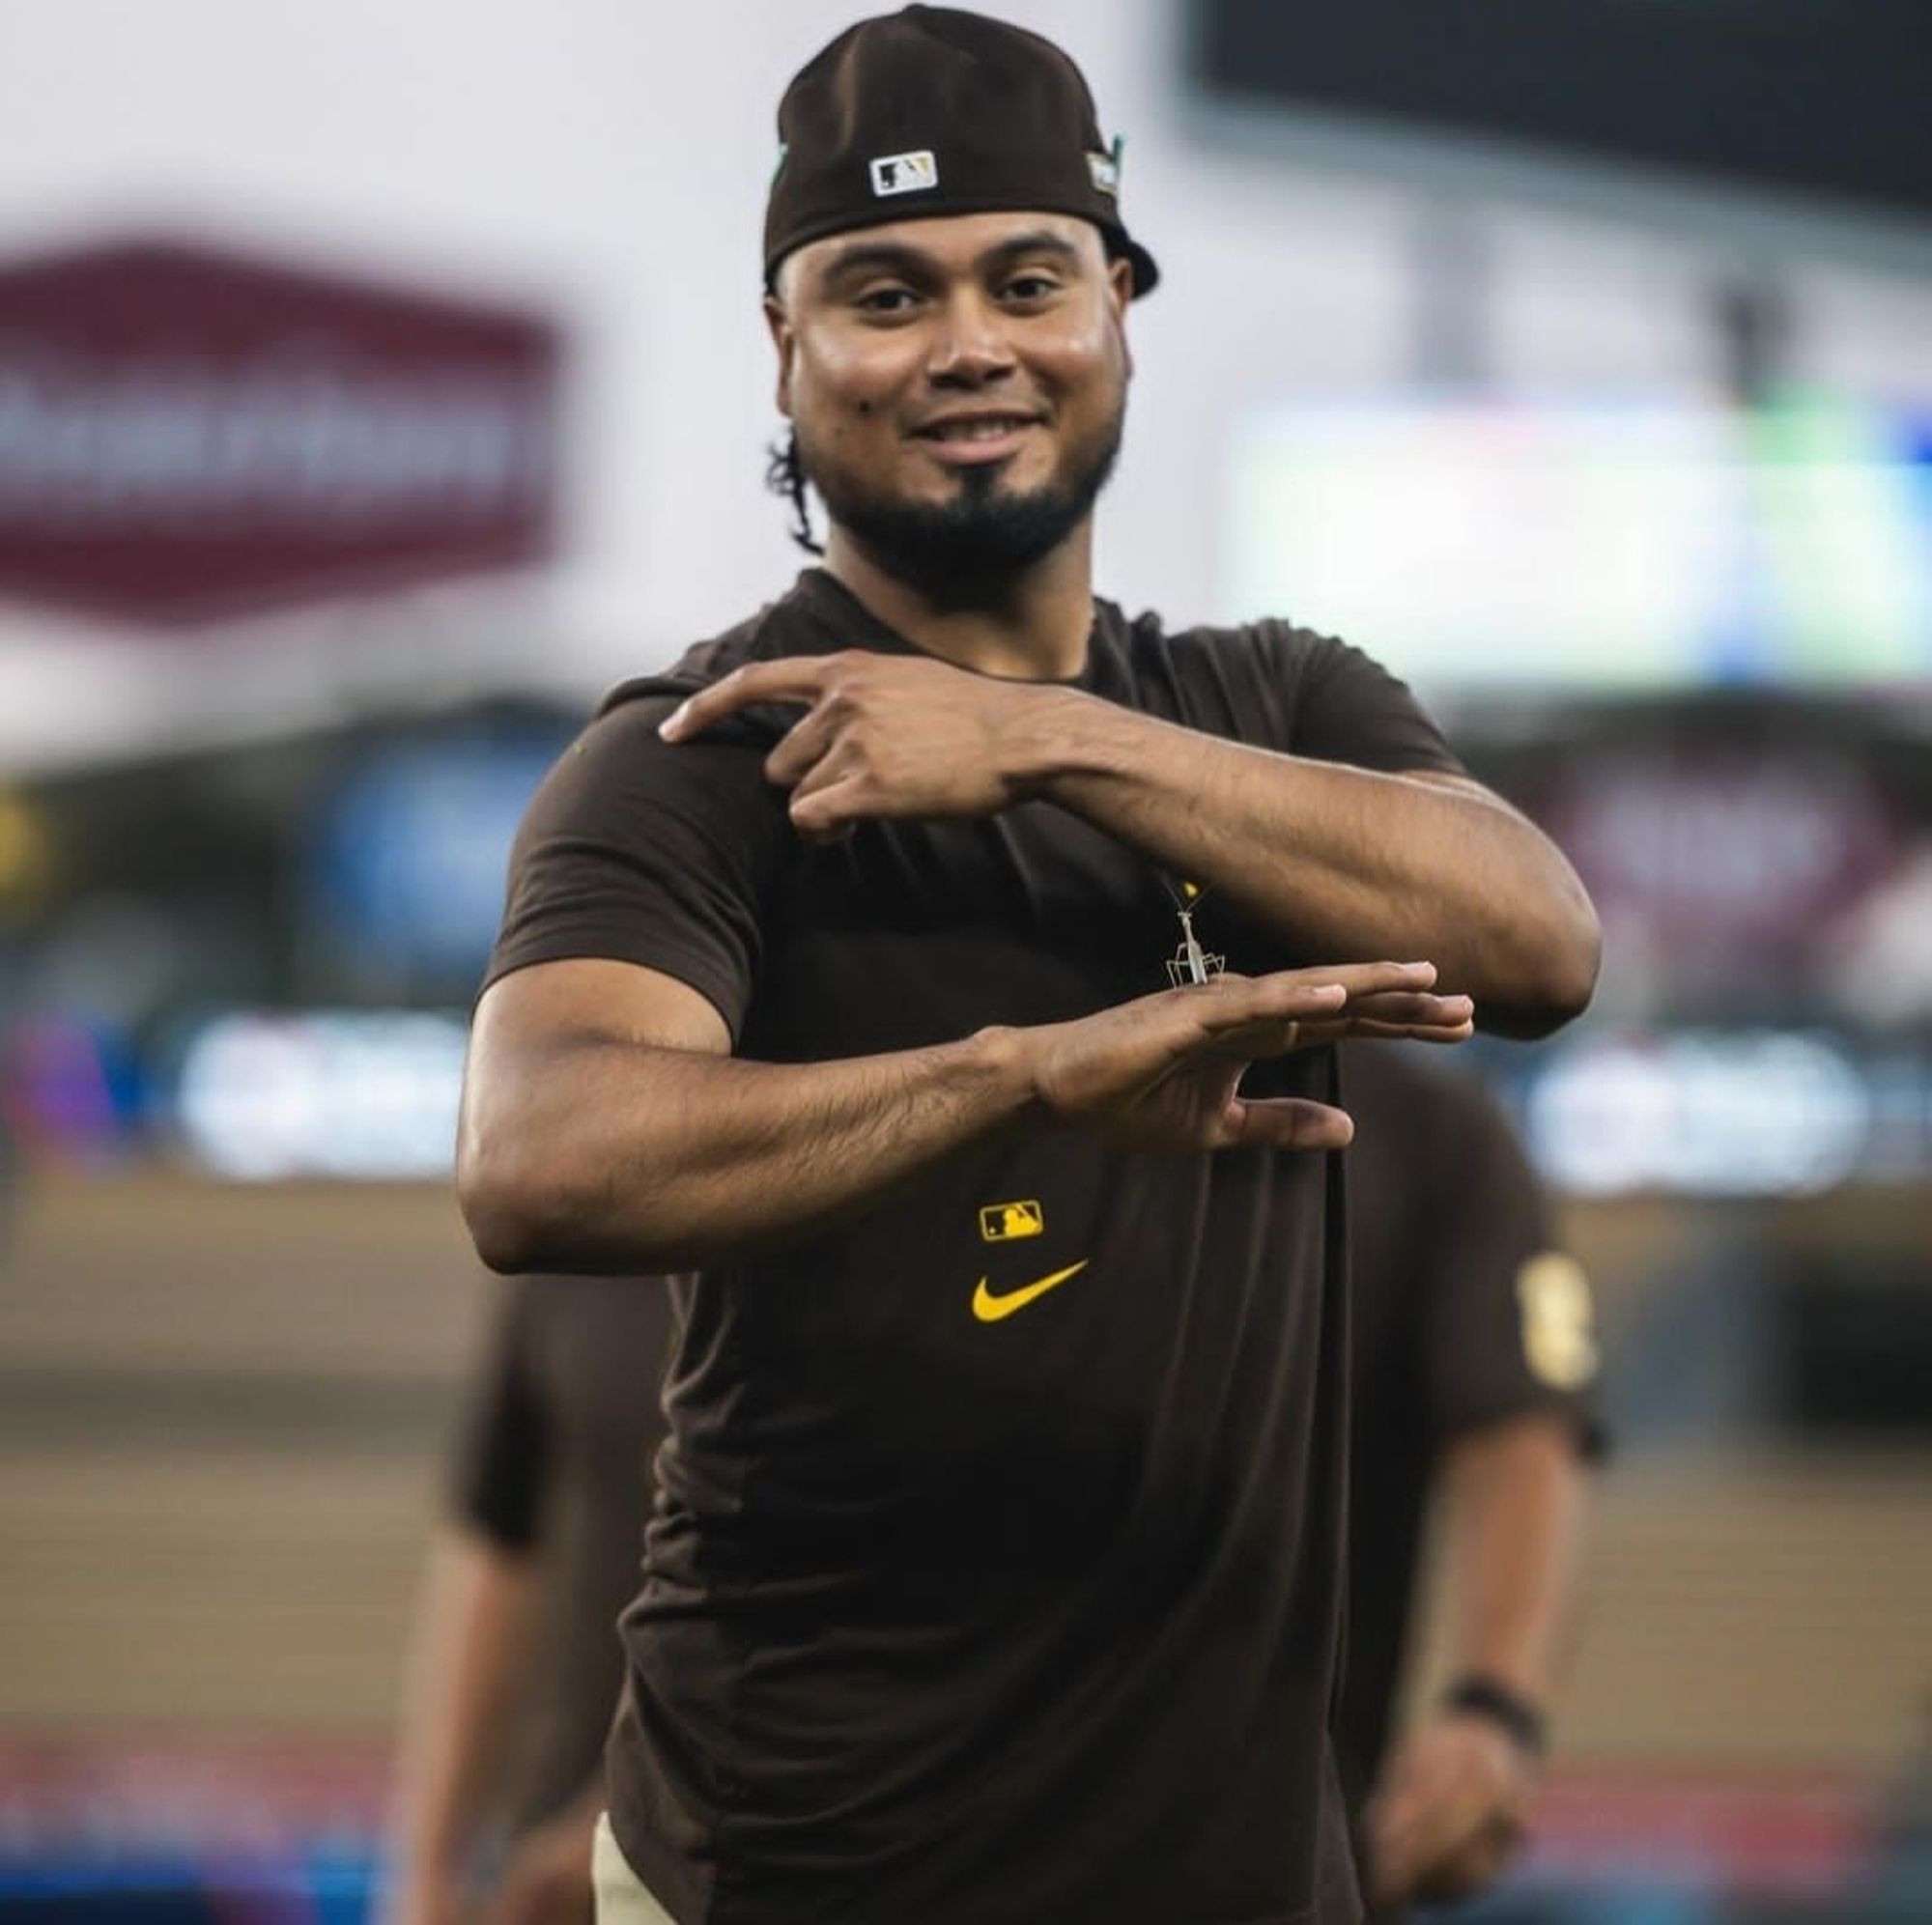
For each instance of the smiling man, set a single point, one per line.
(994, 1573)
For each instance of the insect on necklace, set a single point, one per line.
(1190, 962)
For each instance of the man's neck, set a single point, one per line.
(1037, 628)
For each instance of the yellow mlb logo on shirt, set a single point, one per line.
(1006, 1223)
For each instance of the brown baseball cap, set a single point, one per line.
(933, 110)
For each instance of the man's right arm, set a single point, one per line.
(605, 1127)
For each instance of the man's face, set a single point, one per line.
(956, 385)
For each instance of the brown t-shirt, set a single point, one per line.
(1466, 1314)
(949, 1619)
(554, 1463)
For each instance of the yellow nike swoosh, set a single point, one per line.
(989, 1309)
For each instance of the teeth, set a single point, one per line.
(974, 431)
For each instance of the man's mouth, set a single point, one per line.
(968, 440)
(975, 427)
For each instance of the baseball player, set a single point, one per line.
(997, 1566)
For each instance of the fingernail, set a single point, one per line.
(673, 724)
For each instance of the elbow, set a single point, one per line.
(501, 1209)
(528, 1211)
(516, 1203)
(1577, 960)
(1560, 974)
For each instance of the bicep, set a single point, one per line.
(1463, 785)
(534, 1022)
(584, 1000)
(550, 1084)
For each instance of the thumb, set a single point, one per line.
(1285, 1122)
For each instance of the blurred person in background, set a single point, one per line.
(1473, 1361)
(517, 1666)
(1017, 1597)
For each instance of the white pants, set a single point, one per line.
(621, 1897)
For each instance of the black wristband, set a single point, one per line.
(1484, 1697)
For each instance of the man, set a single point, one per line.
(996, 1569)
(517, 1665)
(1474, 1359)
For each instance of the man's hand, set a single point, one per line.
(1163, 1072)
(882, 735)
(547, 1880)
(1449, 1814)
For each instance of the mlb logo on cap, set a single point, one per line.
(905, 173)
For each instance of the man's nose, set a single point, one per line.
(971, 347)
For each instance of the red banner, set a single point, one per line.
(188, 434)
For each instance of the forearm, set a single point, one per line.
(471, 1638)
(1515, 1496)
(619, 1156)
(1345, 862)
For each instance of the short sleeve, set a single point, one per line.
(1350, 709)
(1509, 1329)
(638, 851)
(502, 1456)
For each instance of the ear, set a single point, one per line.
(786, 341)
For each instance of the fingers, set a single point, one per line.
(1225, 1001)
(1411, 1011)
(1429, 1019)
(1230, 1004)
(1271, 1015)
(1285, 1122)
(804, 744)
(1446, 1818)
(1414, 1831)
(798, 678)
(828, 809)
(1472, 1867)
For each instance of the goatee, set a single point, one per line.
(967, 551)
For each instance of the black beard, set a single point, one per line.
(966, 551)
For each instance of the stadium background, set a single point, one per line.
(377, 382)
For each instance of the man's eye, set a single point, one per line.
(886, 301)
(1031, 287)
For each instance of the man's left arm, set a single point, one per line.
(1342, 860)
(1416, 861)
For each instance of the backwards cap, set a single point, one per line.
(931, 111)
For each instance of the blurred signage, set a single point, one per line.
(411, 852)
(1568, 544)
(1727, 858)
(1707, 1113)
(188, 434)
(364, 1094)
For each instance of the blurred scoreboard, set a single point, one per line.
(1628, 545)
